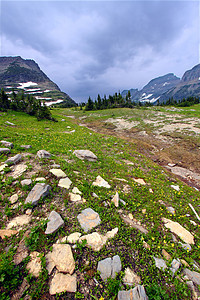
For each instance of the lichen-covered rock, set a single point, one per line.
(43, 154)
(138, 293)
(39, 191)
(85, 154)
(55, 222)
(63, 283)
(88, 219)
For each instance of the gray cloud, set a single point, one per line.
(102, 47)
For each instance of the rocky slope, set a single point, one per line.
(188, 86)
(19, 73)
(164, 87)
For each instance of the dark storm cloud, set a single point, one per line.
(101, 47)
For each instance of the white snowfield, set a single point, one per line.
(43, 98)
(165, 83)
(53, 102)
(26, 84)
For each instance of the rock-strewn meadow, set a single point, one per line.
(107, 223)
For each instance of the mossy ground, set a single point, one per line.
(113, 152)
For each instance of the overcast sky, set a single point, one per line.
(91, 47)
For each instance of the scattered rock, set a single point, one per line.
(184, 263)
(171, 165)
(9, 123)
(96, 241)
(74, 197)
(88, 219)
(26, 146)
(186, 246)
(7, 232)
(4, 150)
(160, 263)
(101, 182)
(40, 179)
(7, 144)
(40, 190)
(63, 283)
(176, 228)
(176, 187)
(171, 210)
(58, 173)
(140, 181)
(43, 154)
(138, 293)
(175, 265)
(14, 198)
(55, 166)
(62, 258)
(18, 170)
(13, 160)
(65, 183)
(21, 291)
(75, 190)
(21, 253)
(133, 224)
(55, 222)
(144, 211)
(3, 167)
(74, 237)
(109, 267)
(26, 182)
(19, 221)
(131, 278)
(192, 275)
(115, 199)
(34, 265)
(28, 211)
(166, 255)
(85, 154)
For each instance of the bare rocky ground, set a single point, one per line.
(172, 141)
(107, 224)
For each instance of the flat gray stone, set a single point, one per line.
(43, 154)
(18, 170)
(101, 182)
(65, 183)
(14, 198)
(88, 219)
(175, 265)
(85, 154)
(138, 293)
(105, 268)
(160, 263)
(62, 258)
(116, 265)
(109, 267)
(55, 222)
(9, 123)
(26, 146)
(7, 144)
(58, 173)
(4, 150)
(63, 283)
(14, 159)
(192, 275)
(26, 182)
(38, 191)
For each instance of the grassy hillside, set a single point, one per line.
(120, 162)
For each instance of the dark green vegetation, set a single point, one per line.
(117, 101)
(25, 103)
(114, 157)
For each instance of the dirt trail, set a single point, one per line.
(164, 144)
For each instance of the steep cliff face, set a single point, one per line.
(188, 86)
(193, 74)
(16, 70)
(18, 73)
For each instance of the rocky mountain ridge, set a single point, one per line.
(18, 73)
(164, 87)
